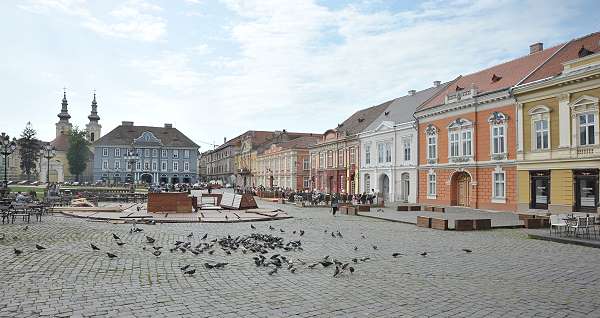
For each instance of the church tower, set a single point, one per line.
(63, 127)
(93, 127)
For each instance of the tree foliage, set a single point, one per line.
(29, 150)
(78, 154)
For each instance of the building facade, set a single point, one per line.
(389, 148)
(166, 155)
(468, 137)
(286, 164)
(334, 159)
(559, 142)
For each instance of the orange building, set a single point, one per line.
(467, 137)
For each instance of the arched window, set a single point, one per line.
(460, 140)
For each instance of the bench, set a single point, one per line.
(439, 224)
(424, 221)
(364, 208)
(408, 208)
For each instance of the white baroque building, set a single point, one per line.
(389, 149)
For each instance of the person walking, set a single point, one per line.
(334, 203)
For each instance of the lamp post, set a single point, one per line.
(48, 151)
(132, 157)
(8, 147)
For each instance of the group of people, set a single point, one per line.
(356, 198)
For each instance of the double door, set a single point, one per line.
(540, 190)
(586, 191)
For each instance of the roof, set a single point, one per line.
(125, 135)
(260, 137)
(570, 51)
(401, 110)
(495, 78)
(362, 119)
(302, 142)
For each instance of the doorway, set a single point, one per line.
(385, 187)
(146, 178)
(540, 189)
(586, 190)
(405, 184)
(461, 185)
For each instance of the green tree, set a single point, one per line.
(78, 154)
(29, 150)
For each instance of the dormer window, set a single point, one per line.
(360, 120)
(583, 52)
(496, 78)
(458, 88)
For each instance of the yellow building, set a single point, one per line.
(558, 147)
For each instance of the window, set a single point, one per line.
(186, 154)
(407, 149)
(586, 129)
(129, 165)
(186, 166)
(175, 154)
(164, 153)
(147, 153)
(367, 183)
(154, 153)
(388, 152)
(541, 134)
(498, 185)
(431, 184)
(117, 164)
(380, 148)
(321, 160)
(138, 165)
(466, 143)
(367, 154)
(306, 182)
(432, 147)
(117, 152)
(104, 164)
(454, 140)
(175, 166)
(163, 165)
(154, 165)
(329, 158)
(313, 161)
(340, 158)
(104, 152)
(498, 139)
(305, 164)
(146, 165)
(352, 156)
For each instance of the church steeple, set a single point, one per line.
(93, 128)
(64, 112)
(63, 126)
(94, 114)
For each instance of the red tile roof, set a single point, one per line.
(554, 66)
(505, 75)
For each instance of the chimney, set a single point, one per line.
(126, 123)
(412, 92)
(224, 139)
(437, 83)
(536, 47)
(168, 125)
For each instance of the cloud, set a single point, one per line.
(132, 19)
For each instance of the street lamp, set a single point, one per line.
(132, 157)
(48, 151)
(8, 147)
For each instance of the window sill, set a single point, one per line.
(431, 197)
(498, 200)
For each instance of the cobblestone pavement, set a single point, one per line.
(506, 275)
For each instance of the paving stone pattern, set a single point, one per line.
(507, 275)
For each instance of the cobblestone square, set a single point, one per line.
(506, 275)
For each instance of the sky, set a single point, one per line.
(217, 68)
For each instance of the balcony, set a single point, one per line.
(588, 152)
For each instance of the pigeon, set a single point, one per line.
(184, 267)
(205, 236)
(111, 255)
(226, 218)
(220, 265)
(351, 269)
(397, 254)
(355, 260)
(313, 265)
(375, 247)
(301, 232)
(252, 227)
(156, 248)
(94, 247)
(356, 248)
(120, 243)
(339, 234)
(273, 271)
(190, 272)
(157, 253)
(293, 270)
(364, 259)
(467, 250)
(211, 252)
(190, 235)
(150, 240)
(326, 263)
(363, 236)
(332, 235)
(271, 227)
(17, 252)
(281, 230)
(424, 254)
(39, 247)
(209, 266)
(116, 237)
(337, 271)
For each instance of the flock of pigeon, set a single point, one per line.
(256, 244)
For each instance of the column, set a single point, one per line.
(520, 127)
(564, 121)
